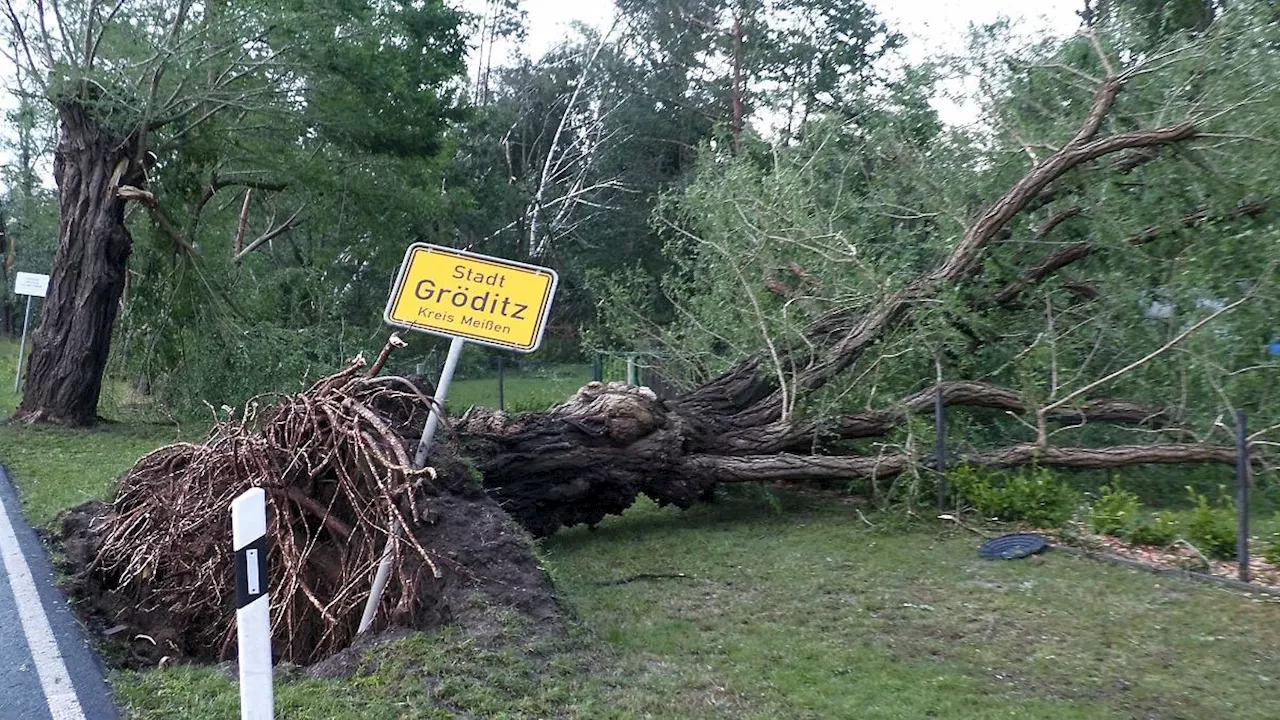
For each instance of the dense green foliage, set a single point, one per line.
(617, 159)
(1037, 496)
(764, 245)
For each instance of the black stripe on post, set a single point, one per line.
(251, 582)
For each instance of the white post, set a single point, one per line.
(22, 345)
(631, 369)
(253, 608)
(419, 462)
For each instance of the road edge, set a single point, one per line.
(86, 669)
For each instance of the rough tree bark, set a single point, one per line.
(69, 350)
(595, 454)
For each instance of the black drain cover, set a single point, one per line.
(1012, 547)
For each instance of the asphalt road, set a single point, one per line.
(47, 669)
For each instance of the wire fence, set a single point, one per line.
(514, 383)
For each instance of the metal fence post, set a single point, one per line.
(597, 368)
(502, 381)
(940, 446)
(1242, 495)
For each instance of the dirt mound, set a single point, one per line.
(153, 569)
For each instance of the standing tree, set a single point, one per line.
(132, 77)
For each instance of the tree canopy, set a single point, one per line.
(715, 180)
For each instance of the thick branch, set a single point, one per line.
(786, 467)
(1103, 99)
(966, 256)
(1103, 458)
(1078, 251)
(781, 436)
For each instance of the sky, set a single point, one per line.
(933, 27)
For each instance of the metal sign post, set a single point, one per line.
(464, 297)
(31, 285)
(419, 462)
(253, 605)
(22, 345)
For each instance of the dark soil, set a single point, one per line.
(488, 569)
(487, 563)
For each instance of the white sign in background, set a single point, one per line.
(32, 284)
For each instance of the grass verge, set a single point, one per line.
(57, 468)
(523, 390)
(737, 610)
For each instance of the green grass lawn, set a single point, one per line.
(522, 390)
(57, 468)
(794, 608)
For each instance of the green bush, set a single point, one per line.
(1211, 529)
(1271, 551)
(1159, 529)
(1115, 512)
(1037, 496)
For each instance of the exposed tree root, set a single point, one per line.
(335, 463)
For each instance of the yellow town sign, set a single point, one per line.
(479, 298)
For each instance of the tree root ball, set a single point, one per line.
(154, 569)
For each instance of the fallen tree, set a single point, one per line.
(334, 459)
(594, 455)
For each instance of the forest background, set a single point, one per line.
(708, 176)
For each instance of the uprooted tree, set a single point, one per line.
(1030, 310)
(827, 294)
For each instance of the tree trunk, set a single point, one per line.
(70, 347)
(609, 444)
(8, 300)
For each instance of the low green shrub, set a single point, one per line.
(1037, 496)
(1271, 550)
(1158, 529)
(1115, 512)
(1119, 513)
(1211, 529)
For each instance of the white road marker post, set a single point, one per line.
(419, 462)
(253, 605)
